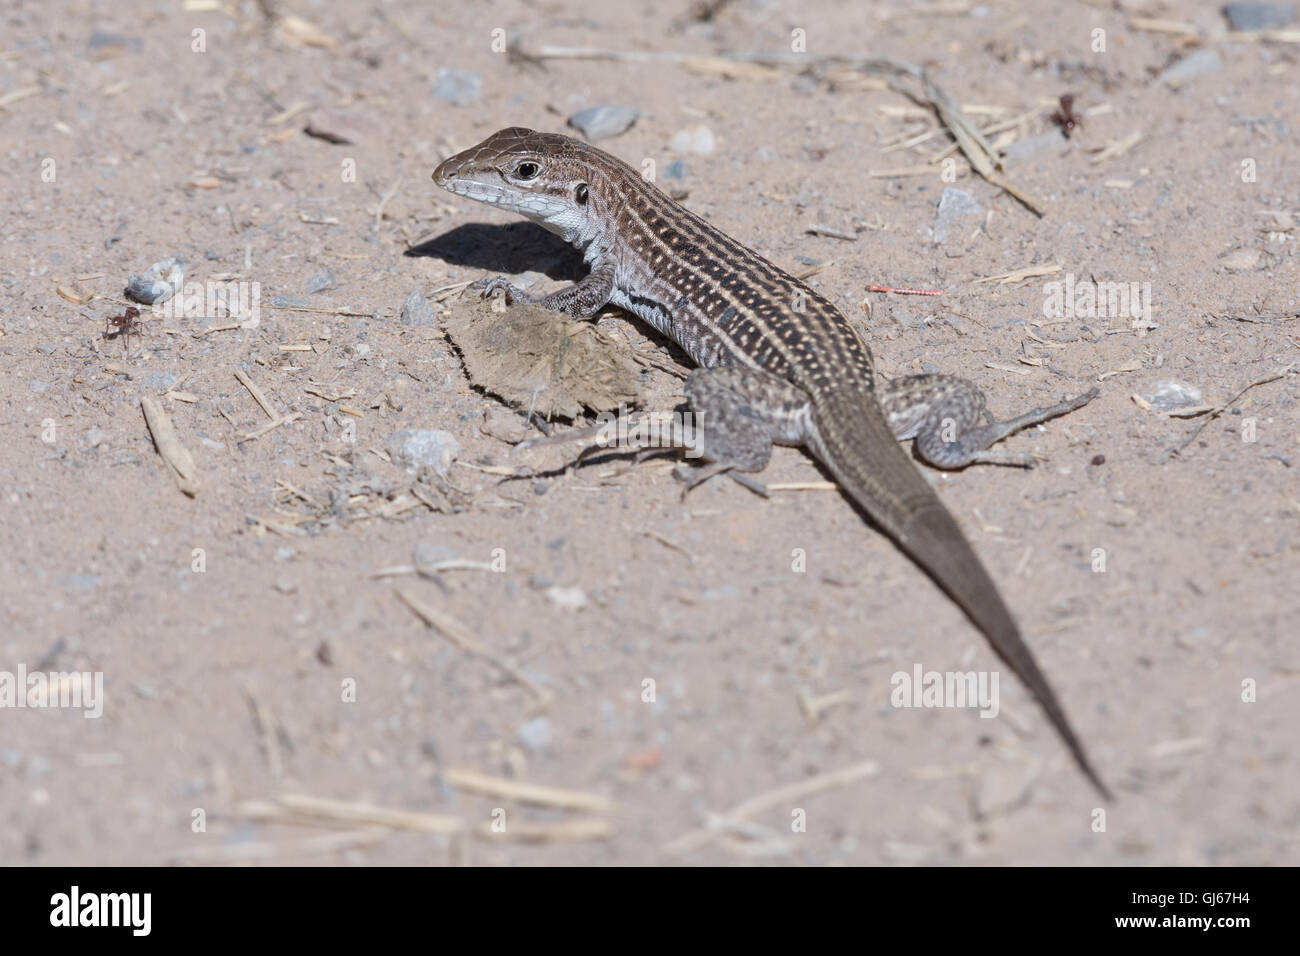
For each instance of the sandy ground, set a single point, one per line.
(252, 663)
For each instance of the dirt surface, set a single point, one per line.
(254, 665)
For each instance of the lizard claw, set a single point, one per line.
(694, 476)
(698, 475)
(500, 289)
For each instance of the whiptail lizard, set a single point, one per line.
(778, 362)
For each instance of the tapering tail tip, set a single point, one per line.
(1093, 777)
(935, 541)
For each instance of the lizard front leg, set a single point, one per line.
(942, 412)
(581, 300)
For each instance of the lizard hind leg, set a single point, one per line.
(943, 412)
(738, 414)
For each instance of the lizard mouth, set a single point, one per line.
(483, 192)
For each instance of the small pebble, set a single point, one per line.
(426, 554)
(1200, 63)
(1259, 16)
(954, 204)
(1243, 260)
(603, 122)
(423, 446)
(1169, 395)
(456, 86)
(160, 380)
(320, 282)
(536, 734)
(695, 139)
(79, 582)
(106, 44)
(571, 599)
(416, 311)
(158, 283)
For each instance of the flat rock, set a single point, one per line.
(603, 122)
(1200, 63)
(1243, 260)
(1168, 395)
(416, 311)
(414, 447)
(1259, 16)
(456, 86)
(158, 283)
(954, 205)
(695, 139)
(320, 282)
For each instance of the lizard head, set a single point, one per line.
(551, 179)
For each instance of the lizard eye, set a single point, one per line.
(527, 170)
(580, 194)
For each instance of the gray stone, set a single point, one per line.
(1169, 395)
(954, 204)
(570, 599)
(105, 43)
(697, 139)
(536, 734)
(426, 554)
(603, 122)
(158, 283)
(79, 582)
(1023, 149)
(162, 380)
(456, 86)
(320, 282)
(417, 311)
(1200, 63)
(1259, 16)
(414, 447)
(292, 301)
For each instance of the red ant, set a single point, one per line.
(1068, 120)
(126, 324)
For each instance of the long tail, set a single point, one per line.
(857, 446)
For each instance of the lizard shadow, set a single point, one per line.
(508, 249)
(518, 247)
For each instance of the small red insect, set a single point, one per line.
(124, 325)
(1068, 120)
